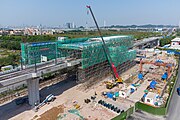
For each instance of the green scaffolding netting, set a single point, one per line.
(121, 54)
(89, 50)
(92, 50)
(32, 52)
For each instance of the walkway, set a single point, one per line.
(138, 94)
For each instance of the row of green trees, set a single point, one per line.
(36, 38)
(178, 33)
(11, 45)
(136, 34)
(12, 59)
(13, 42)
(166, 40)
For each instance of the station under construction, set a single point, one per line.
(102, 64)
(94, 64)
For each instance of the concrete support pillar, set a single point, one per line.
(33, 91)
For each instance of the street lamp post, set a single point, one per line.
(56, 55)
(35, 67)
(21, 61)
(55, 59)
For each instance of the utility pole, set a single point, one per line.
(55, 54)
(21, 61)
(55, 57)
(35, 66)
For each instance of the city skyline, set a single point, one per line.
(57, 13)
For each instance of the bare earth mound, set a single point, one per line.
(52, 113)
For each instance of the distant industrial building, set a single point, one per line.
(175, 43)
(70, 25)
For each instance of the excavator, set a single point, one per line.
(117, 78)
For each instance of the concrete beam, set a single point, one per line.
(14, 80)
(21, 78)
(33, 91)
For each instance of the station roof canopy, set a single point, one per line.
(80, 43)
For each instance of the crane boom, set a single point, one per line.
(112, 66)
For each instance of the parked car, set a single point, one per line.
(21, 100)
(178, 91)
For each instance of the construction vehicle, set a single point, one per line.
(158, 63)
(178, 90)
(49, 98)
(117, 78)
(76, 105)
(110, 85)
(21, 100)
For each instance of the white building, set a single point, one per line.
(175, 43)
(150, 98)
(153, 99)
(127, 91)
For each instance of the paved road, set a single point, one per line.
(30, 69)
(141, 115)
(174, 109)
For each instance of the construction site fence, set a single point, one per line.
(158, 110)
(125, 114)
(148, 108)
(173, 88)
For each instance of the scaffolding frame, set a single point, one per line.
(94, 64)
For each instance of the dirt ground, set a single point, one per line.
(52, 114)
(63, 108)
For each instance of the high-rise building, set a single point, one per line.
(40, 28)
(69, 25)
(104, 23)
(73, 26)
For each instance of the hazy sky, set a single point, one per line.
(58, 12)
